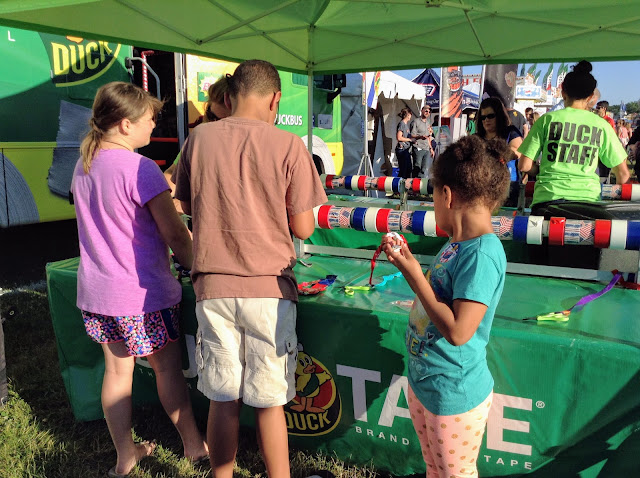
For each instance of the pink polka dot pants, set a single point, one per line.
(450, 443)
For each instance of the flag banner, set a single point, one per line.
(546, 82)
(372, 98)
(451, 89)
(532, 69)
(537, 76)
(522, 70)
(431, 82)
(562, 72)
(500, 81)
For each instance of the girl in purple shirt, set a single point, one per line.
(129, 299)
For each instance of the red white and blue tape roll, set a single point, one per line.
(630, 192)
(502, 226)
(633, 235)
(535, 225)
(618, 234)
(357, 218)
(520, 224)
(370, 219)
(340, 217)
(321, 214)
(602, 233)
(578, 232)
(382, 220)
(416, 185)
(556, 231)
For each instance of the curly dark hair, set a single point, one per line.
(476, 170)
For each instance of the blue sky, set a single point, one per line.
(617, 80)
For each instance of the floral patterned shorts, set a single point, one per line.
(143, 334)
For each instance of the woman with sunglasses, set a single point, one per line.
(493, 122)
(571, 141)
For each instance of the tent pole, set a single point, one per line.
(310, 112)
(481, 91)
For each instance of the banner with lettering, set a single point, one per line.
(451, 92)
(566, 396)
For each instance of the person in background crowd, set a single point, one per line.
(247, 185)
(421, 131)
(215, 109)
(494, 123)
(450, 385)
(517, 119)
(129, 299)
(404, 143)
(601, 110)
(623, 132)
(528, 115)
(568, 167)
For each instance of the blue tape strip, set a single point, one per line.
(417, 222)
(633, 235)
(347, 182)
(520, 228)
(357, 218)
(395, 185)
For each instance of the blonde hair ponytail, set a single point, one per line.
(114, 102)
(90, 145)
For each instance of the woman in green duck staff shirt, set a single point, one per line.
(571, 141)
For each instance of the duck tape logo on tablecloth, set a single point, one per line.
(316, 409)
(75, 61)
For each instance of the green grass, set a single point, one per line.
(40, 438)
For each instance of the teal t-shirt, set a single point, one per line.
(571, 142)
(448, 379)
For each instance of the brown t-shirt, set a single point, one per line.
(242, 176)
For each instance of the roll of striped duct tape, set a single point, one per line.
(382, 220)
(344, 217)
(503, 227)
(611, 191)
(633, 235)
(556, 231)
(370, 183)
(579, 232)
(357, 218)
(338, 217)
(534, 229)
(602, 233)
(321, 214)
(337, 182)
(618, 234)
(370, 223)
(406, 221)
(520, 225)
(394, 220)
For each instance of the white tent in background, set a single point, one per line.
(392, 93)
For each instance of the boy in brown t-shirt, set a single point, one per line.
(247, 184)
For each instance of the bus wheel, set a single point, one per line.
(318, 164)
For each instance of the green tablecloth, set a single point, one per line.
(567, 395)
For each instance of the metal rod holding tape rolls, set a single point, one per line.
(615, 192)
(601, 233)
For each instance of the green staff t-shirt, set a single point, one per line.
(571, 141)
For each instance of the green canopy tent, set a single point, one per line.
(333, 36)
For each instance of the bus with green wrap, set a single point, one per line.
(47, 86)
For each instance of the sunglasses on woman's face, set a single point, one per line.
(489, 116)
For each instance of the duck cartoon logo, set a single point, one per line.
(316, 409)
(75, 61)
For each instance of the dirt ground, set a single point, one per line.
(25, 250)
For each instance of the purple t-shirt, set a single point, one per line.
(124, 263)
